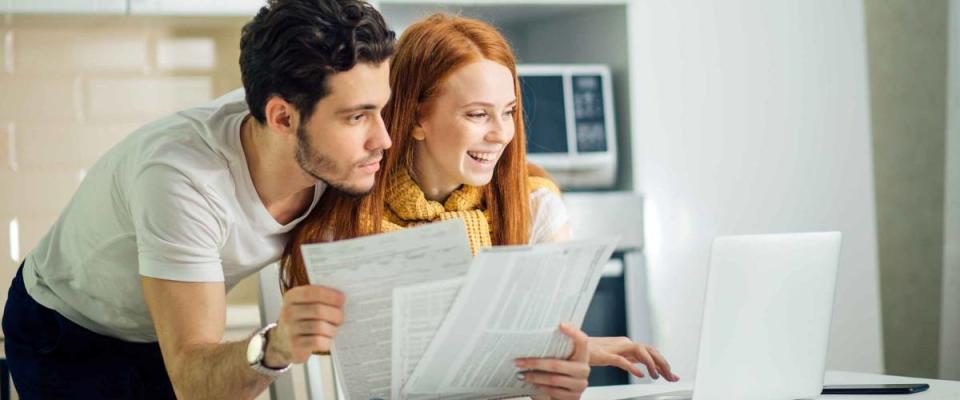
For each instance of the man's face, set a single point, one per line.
(342, 143)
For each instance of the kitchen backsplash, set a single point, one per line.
(73, 86)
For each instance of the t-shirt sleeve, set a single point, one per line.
(549, 215)
(180, 231)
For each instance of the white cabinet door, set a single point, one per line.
(247, 8)
(66, 6)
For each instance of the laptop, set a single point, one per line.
(766, 318)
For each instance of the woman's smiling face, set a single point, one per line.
(469, 124)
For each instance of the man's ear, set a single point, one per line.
(281, 116)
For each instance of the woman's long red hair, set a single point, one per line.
(427, 53)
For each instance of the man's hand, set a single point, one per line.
(560, 379)
(308, 323)
(624, 353)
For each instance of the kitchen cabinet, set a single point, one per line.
(240, 8)
(64, 6)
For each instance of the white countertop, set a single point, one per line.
(939, 389)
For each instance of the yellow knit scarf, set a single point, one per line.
(405, 206)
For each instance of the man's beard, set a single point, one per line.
(321, 168)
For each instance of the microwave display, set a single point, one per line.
(588, 113)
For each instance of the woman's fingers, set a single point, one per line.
(556, 380)
(560, 379)
(581, 348)
(626, 365)
(642, 355)
(633, 352)
(556, 366)
(663, 365)
(624, 353)
(600, 355)
(556, 393)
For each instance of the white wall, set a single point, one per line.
(752, 116)
(950, 324)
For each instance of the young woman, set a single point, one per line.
(459, 151)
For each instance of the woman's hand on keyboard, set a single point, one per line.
(623, 353)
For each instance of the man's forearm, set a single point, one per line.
(211, 371)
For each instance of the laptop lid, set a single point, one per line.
(766, 319)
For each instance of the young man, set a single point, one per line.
(125, 295)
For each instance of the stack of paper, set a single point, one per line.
(425, 320)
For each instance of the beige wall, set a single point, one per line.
(907, 51)
(72, 86)
(950, 329)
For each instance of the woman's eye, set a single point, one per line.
(356, 118)
(510, 112)
(477, 115)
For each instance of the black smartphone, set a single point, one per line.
(883, 388)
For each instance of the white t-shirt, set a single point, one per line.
(174, 200)
(549, 215)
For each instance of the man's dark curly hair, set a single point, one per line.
(292, 46)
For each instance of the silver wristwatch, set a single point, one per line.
(257, 350)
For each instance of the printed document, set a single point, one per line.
(367, 270)
(426, 320)
(510, 306)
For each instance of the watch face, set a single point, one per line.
(254, 349)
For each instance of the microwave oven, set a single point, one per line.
(569, 123)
